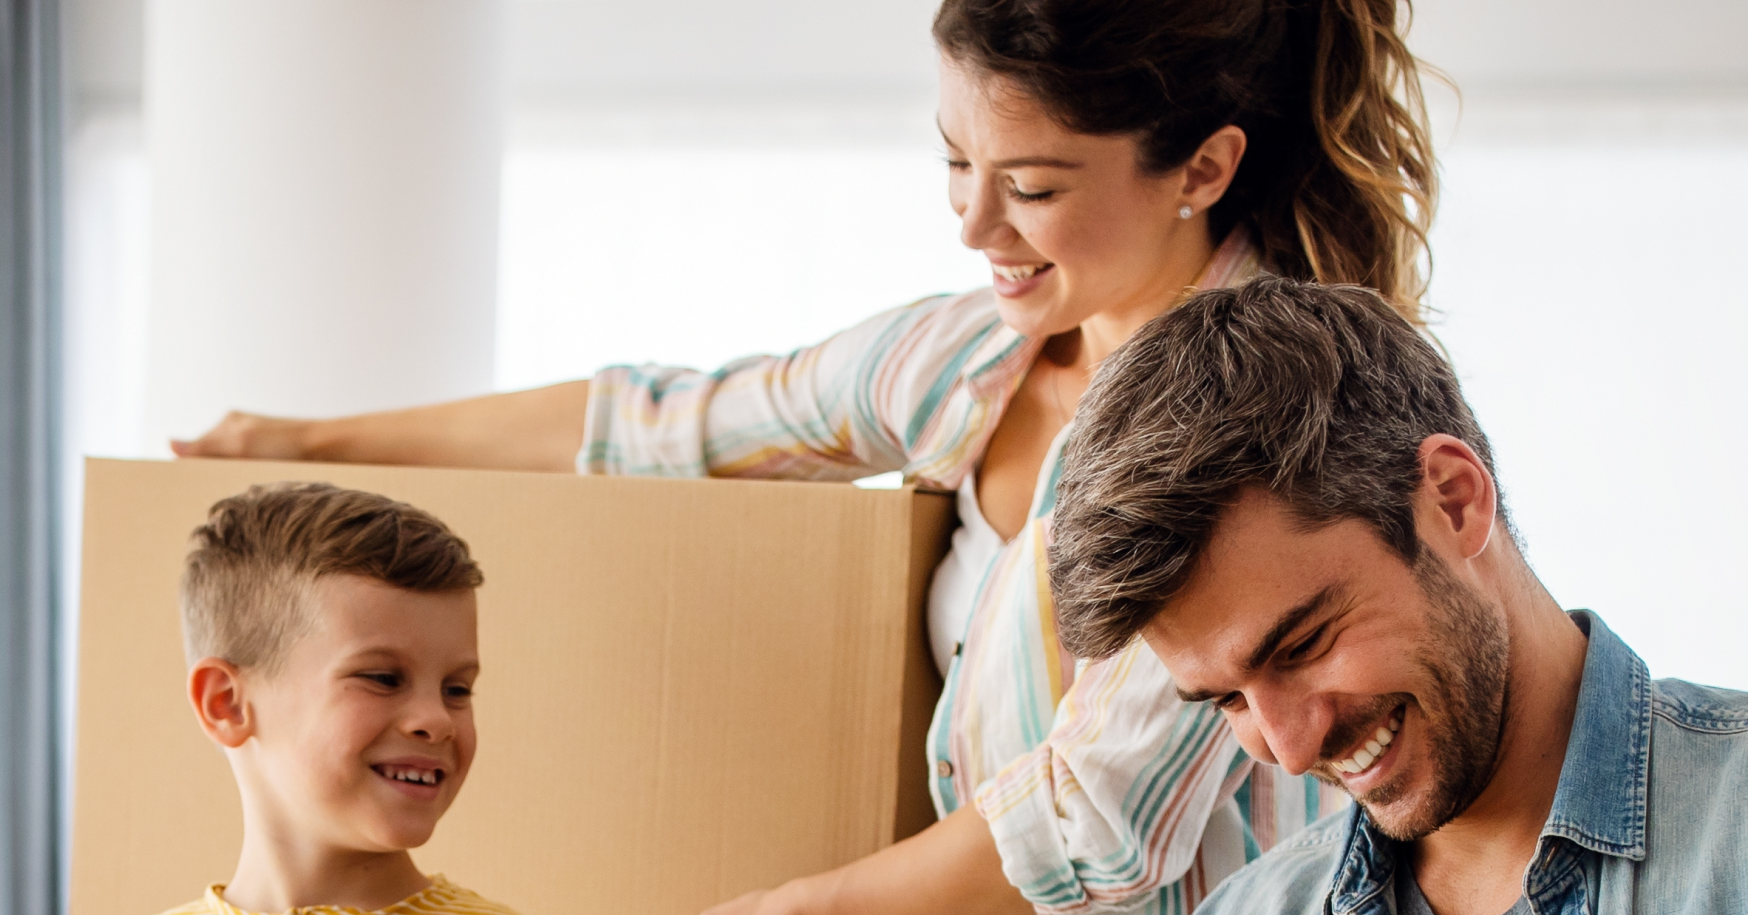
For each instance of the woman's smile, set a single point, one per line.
(1015, 280)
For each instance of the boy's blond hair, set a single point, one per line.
(251, 564)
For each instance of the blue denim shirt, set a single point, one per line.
(1650, 816)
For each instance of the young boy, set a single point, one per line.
(332, 655)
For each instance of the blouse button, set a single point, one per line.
(944, 769)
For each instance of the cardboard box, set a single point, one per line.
(691, 688)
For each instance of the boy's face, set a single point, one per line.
(363, 738)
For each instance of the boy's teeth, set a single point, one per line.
(412, 775)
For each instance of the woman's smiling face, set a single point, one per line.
(1072, 224)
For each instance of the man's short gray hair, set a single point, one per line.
(1320, 394)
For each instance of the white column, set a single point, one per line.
(325, 205)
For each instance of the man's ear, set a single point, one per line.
(215, 686)
(1457, 498)
(1210, 169)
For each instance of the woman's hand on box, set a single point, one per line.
(248, 435)
(538, 429)
(951, 868)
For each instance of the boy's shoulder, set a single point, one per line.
(445, 898)
(1294, 877)
(440, 898)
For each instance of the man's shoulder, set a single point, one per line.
(1699, 753)
(1701, 709)
(1293, 878)
(1699, 735)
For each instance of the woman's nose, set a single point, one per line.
(982, 220)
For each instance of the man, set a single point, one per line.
(1281, 489)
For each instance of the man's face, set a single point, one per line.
(364, 737)
(1329, 654)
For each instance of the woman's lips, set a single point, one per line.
(1015, 280)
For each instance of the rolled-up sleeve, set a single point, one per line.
(836, 411)
(1111, 808)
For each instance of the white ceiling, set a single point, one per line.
(605, 50)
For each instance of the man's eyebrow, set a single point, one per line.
(1284, 626)
(1199, 695)
(1269, 644)
(1020, 162)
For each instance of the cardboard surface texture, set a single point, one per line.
(690, 688)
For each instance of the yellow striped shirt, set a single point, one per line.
(440, 898)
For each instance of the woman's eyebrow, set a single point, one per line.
(1035, 162)
(1021, 162)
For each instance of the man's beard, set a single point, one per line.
(1467, 660)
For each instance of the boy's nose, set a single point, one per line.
(429, 720)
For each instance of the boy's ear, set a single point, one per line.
(215, 686)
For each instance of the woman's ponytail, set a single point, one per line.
(1338, 183)
(1363, 213)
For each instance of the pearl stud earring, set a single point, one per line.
(1184, 212)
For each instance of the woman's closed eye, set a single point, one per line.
(1024, 196)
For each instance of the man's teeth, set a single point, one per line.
(1374, 748)
(1018, 273)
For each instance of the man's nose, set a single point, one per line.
(1291, 724)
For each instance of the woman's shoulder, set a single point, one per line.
(974, 309)
(929, 336)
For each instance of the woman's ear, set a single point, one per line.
(215, 686)
(1210, 169)
(1457, 502)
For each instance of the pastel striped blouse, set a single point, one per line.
(1103, 790)
(440, 898)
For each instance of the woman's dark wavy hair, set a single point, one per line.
(1338, 183)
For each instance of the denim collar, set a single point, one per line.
(1599, 803)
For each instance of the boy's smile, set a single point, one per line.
(365, 736)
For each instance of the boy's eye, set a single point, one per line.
(457, 691)
(383, 678)
(1231, 702)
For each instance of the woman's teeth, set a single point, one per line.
(1374, 748)
(1015, 274)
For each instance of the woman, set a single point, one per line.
(1107, 156)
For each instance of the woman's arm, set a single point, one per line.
(539, 429)
(951, 868)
